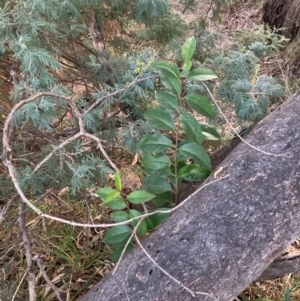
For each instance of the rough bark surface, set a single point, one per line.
(227, 234)
(280, 268)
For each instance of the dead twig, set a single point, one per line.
(61, 295)
(28, 253)
(6, 208)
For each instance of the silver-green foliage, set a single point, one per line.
(46, 38)
(242, 85)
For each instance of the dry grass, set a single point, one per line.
(73, 258)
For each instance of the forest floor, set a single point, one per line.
(80, 254)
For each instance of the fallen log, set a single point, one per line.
(280, 268)
(227, 234)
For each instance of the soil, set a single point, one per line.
(235, 17)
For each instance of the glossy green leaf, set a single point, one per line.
(168, 64)
(139, 197)
(117, 204)
(155, 161)
(172, 181)
(201, 74)
(119, 216)
(142, 229)
(162, 198)
(156, 185)
(165, 172)
(155, 143)
(192, 128)
(102, 192)
(170, 82)
(197, 153)
(153, 221)
(160, 119)
(193, 172)
(111, 196)
(167, 100)
(169, 76)
(186, 68)
(118, 181)
(188, 49)
(201, 105)
(209, 132)
(179, 156)
(107, 194)
(117, 234)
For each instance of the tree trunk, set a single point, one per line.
(283, 14)
(227, 234)
(280, 268)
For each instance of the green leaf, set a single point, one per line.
(139, 197)
(201, 74)
(155, 161)
(118, 181)
(142, 229)
(192, 128)
(170, 82)
(165, 172)
(179, 156)
(168, 64)
(172, 181)
(169, 76)
(193, 172)
(162, 199)
(153, 221)
(119, 216)
(111, 196)
(188, 49)
(209, 132)
(160, 119)
(201, 105)
(287, 294)
(107, 194)
(102, 192)
(186, 67)
(167, 100)
(155, 143)
(117, 234)
(156, 185)
(197, 153)
(117, 204)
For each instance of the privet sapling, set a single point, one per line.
(166, 162)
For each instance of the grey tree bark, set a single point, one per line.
(227, 234)
(281, 268)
